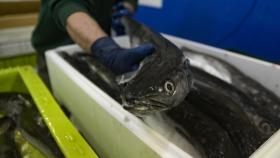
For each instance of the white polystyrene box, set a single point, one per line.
(114, 132)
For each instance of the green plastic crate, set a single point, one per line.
(28, 59)
(25, 80)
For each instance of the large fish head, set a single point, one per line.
(157, 88)
(162, 81)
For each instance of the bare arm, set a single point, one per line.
(83, 30)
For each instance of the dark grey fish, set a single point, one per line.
(162, 81)
(96, 72)
(211, 97)
(261, 105)
(33, 129)
(206, 135)
(20, 110)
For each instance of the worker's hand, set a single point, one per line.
(120, 10)
(118, 59)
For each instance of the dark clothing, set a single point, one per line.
(43, 70)
(50, 31)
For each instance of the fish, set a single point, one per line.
(161, 82)
(20, 115)
(25, 148)
(163, 79)
(260, 104)
(95, 71)
(209, 64)
(211, 97)
(209, 138)
(11, 104)
(34, 130)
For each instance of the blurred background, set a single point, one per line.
(248, 27)
(17, 20)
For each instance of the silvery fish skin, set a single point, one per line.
(206, 134)
(172, 131)
(223, 107)
(262, 106)
(209, 64)
(164, 78)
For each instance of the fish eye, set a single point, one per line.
(169, 87)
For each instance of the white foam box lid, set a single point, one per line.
(115, 133)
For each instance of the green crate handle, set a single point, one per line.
(65, 134)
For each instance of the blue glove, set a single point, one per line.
(118, 12)
(118, 59)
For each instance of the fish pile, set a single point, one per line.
(242, 107)
(217, 109)
(22, 130)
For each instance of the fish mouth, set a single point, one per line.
(145, 107)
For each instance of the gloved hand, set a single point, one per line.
(118, 12)
(118, 59)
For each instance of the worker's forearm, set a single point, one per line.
(83, 30)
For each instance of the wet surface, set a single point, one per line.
(23, 132)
